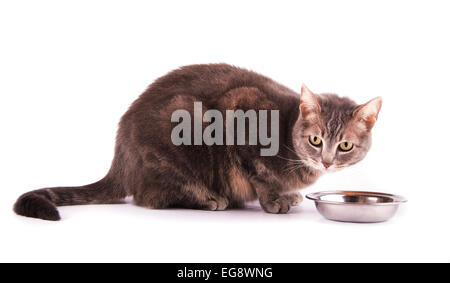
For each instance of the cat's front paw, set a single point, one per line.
(294, 198)
(279, 205)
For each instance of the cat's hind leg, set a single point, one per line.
(198, 196)
(193, 196)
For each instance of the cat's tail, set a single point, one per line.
(42, 203)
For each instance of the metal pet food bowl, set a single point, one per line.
(356, 206)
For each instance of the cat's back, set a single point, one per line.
(204, 81)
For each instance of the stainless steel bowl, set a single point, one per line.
(356, 206)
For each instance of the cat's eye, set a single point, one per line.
(315, 140)
(345, 146)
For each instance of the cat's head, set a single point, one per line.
(333, 132)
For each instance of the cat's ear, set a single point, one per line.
(368, 113)
(309, 102)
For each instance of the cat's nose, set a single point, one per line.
(326, 164)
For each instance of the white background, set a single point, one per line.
(70, 69)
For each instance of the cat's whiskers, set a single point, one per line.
(290, 149)
(294, 168)
(293, 164)
(288, 159)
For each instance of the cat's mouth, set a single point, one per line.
(313, 164)
(323, 167)
(335, 168)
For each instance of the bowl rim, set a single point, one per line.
(397, 199)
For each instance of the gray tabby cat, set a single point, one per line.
(317, 134)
